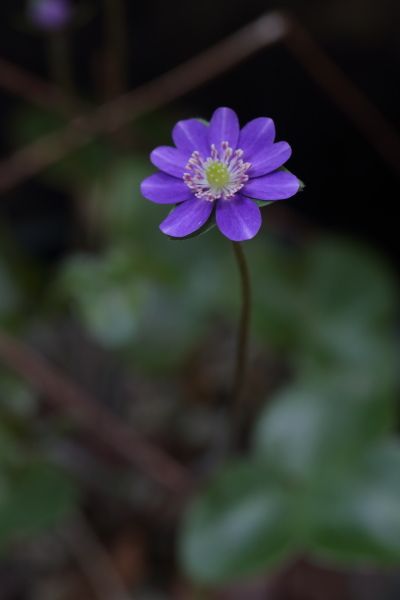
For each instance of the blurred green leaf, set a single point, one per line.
(331, 304)
(11, 449)
(316, 427)
(277, 275)
(32, 498)
(356, 514)
(242, 523)
(349, 283)
(348, 321)
(176, 315)
(368, 372)
(16, 397)
(125, 307)
(106, 294)
(350, 303)
(168, 328)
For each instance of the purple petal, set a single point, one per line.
(190, 135)
(187, 217)
(224, 127)
(275, 186)
(239, 218)
(255, 135)
(269, 158)
(164, 189)
(170, 160)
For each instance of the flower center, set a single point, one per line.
(220, 175)
(217, 174)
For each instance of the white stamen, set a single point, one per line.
(220, 175)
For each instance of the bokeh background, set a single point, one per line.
(117, 474)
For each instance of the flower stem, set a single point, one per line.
(243, 336)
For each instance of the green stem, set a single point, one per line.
(243, 335)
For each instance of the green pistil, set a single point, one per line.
(217, 175)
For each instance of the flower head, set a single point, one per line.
(222, 170)
(50, 14)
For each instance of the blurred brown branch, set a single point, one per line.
(264, 31)
(368, 119)
(114, 115)
(93, 560)
(116, 51)
(21, 83)
(73, 401)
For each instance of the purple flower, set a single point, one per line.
(50, 14)
(221, 169)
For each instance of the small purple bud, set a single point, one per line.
(50, 15)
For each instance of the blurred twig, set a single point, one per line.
(21, 83)
(116, 50)
(264, 31)
(93, 560)
(347, 96)
(68, 397)
(114, 115)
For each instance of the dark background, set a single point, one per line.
(350, 188)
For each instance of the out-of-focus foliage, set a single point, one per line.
(34, 493)
(146, 326)
(145, 295)
(9, 298)
(33, 497)
(336, 474)
(10, 293)
(255, 515)
(29, 124)
(322, 475)
(323, 445)
(244, 522)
